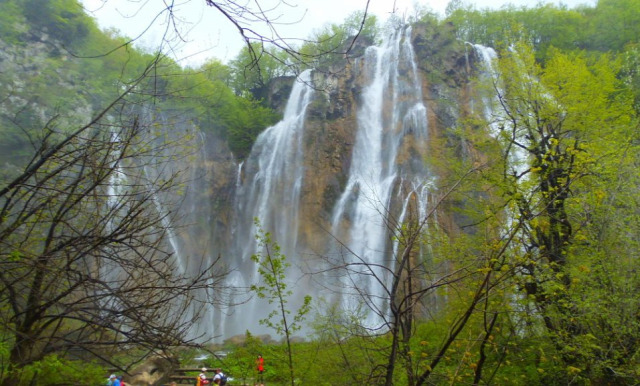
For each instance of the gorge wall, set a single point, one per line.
(352, 148)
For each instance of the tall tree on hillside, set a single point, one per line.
(570, 133)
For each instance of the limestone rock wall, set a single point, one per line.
(446, 67)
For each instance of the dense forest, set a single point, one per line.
(541, 286)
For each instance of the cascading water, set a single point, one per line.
(168, 162)
(171, 236)
(117, 181)
(109, 270)
(386, 178)
(391, 109)
(271, 194)
(517, 157)
(171, 151)
(492, 111)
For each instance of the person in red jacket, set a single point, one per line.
(260, 365)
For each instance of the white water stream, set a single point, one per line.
(387, 171)
(270, 194)
(391, 108)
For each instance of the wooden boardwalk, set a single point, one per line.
(180, 378)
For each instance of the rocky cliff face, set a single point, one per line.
(410, 92)
(438, 69)
(23, 70)
(445, 67)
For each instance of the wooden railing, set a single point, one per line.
(181, 379)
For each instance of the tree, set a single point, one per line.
(253, 74)
(85, 267)
(413, 278)
(333, 43)
(613, 24)
(569, 136)
(62, 19)
(272, 266)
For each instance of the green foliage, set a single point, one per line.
(63, 20)
(240, 362)
(250, 120)
(574, 122)
(613, 24)
(204, 97)
(255, 67)
(329, 45)
(55, 370)
(610, 26)
(272, 267)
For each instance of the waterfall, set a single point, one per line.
(273, 194)
(386, 178)
(391, 108)
(176, 150)
(115, 204)
(270, 193)
(492, 110)
(117, 182)
(517, 157)
(171, 235)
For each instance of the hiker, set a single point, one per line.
(202, 378)
(260, 363)
(114, 381)
(220, 378)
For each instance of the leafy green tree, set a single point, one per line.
(208, 101)
(255, 67)
(241, 361)
(58, 370)
(64, 20)
(333, 42)
(613, 24)
(272, 267)
(570, 128)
